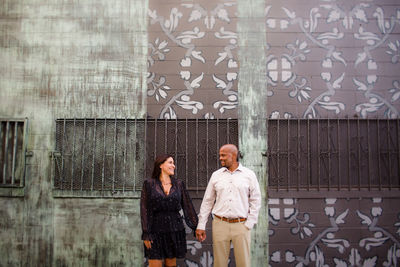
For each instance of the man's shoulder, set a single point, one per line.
(220, 170)
(247, 170)
(217, 173)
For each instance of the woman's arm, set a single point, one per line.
(146, 214)
(191, 218)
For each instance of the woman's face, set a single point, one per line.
(168, 167)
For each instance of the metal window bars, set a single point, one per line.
(333, 154)
(12, 154)
(303, 154)
(117, 154)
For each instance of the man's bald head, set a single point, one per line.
(230, 148)
(228, 156)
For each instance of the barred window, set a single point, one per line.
(116, 155)
(12, 154)
(333, 154)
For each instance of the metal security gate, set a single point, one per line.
(333, 154)
(117, 154)
(303, 155)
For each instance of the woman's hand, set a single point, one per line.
(147, 243)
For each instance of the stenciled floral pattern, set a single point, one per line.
(352, 252)
(323, 30)
(184, 42)
(332, 58)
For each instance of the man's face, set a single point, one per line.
(226, 158)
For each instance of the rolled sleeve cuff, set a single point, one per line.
(201, 226)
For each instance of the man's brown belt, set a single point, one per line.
(234, 220)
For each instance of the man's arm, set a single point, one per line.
(254, 203)
(205, 209)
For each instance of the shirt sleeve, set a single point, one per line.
(207, 204)
(254, 202)
(191, 218)
(146, 213)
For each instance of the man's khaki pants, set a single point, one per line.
(223, 233)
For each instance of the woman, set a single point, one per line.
(162, 198)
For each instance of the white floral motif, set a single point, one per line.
(206, 260)
(193, 246)
(395, 91)
(219, 12)
(376, 101)
(158, 88)
(394, 51)
(276, 115)
(183, 39)
(327, 237)
(397, 224)
(336, 13)
(355, 260)
(392, 256)
(226, 83)
(373, 41)
(302, 225)
(298, 51)
(309, 27)
(338, 243)
(276, 256)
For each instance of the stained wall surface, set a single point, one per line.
(68, 59)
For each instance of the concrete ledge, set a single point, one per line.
(12, 192)
(95, 194)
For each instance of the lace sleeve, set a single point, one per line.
(145, 211)
(188, 208)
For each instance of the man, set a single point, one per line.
(234, 199)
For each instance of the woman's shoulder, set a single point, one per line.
(149, 181)
(178, 182)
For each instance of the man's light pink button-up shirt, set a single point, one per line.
(231, 195)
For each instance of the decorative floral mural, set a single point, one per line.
(203, 43)
(324, 59)
(328, 58)
(347, 236)
(323, 232)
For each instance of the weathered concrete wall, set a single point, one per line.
(69, 59)
(101, 232)
(12, 232)
(252, 111)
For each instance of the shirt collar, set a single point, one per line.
(239, 168)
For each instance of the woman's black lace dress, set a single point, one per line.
(161, 221)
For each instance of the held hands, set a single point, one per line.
(200, 235)
(147, 243)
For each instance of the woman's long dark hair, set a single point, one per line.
(159, 160)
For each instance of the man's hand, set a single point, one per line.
(201, 235)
